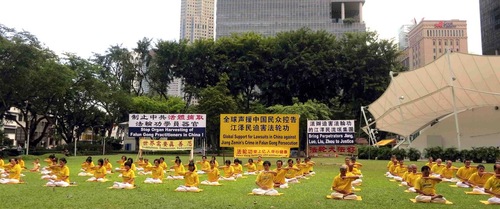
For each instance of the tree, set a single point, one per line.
(141, 61)
(118, 68)
(156, 105)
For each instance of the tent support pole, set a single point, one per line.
(452, 79)
(371, 135)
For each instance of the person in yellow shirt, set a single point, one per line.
(36, 166)
(392, 169)
(400, 170)
(389, 164)
(448, 171)
(213, 175)
(228, 172)
(108, 166)
(99, 172)
(463, 174)
(215, 160)
(121, 163)
(265, 181)
(191, 180)
(147, 168)
(21, 162)
(311, 164)
(128, 177)
(341, 185)
(356, 164)
(351, 170)
(279, 179)
(300, 173)
(251, 167)
(87, 168)
(62, 179)
(178, 170)
(46, 169)
(426, 187)
(53, 170)
(157, 173)
(492, 186)
(14, 173)
(291, 172)
(430, 162)
(259, 164)
(412, 176)
(205, 165)
(2, 163)
(238, 168)
(163, 164)
(437, 168)
(478, 179)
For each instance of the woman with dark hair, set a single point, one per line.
(157, 173)
(62, 175)
(238, 168)
(13, 173)
(128, 177)
(99, 172)
(191, 180)
(87, 167)
(228, 172)
(121, 163)
(178, 170)
(265, 181)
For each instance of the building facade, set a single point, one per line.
(403, 35)
(271, 17)
(197, 19)
(490, 26)
(431, 39)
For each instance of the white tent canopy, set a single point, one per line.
(416, 98)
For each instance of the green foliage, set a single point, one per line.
(466, 155)
(451, 153)
(400, 153)
(143, 104)
(414, 154)
(478, 154)
(367, 152)
(491, 155)
(384, 153)
(434, 152)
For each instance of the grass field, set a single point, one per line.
(377, 191)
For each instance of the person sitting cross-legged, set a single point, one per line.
(426, 187)
(265, 181)
(464, 173)
(448, 171)
(478, 179)
(492, 186)
(191, 180)
(341, 185)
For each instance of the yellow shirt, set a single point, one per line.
(280, 176)
(300, 166)
(479, 180)
(358, 165)
(216, 164)
(179, 170)
(205, 165)
(251, 167)
(148, 167)
(108, 166)
(47, 160)
(15, 172)
(128, 175)
(157, 172)
(164, 165)
(55, 170)
(87, 166)
(238, 169)
(191, 179)
(400, 171)
(100, 172)
(133, 167)
(427, 186)
(464, 173)
(437, 168)
(311, 166)
(342, 184)
(21, 163)
(493, 184)
(122, 164)
(141, 163)
(412, 177)
(304, 168)
(355, 172)
(430, 165)
(260, 165)
(266, 179)
(63, 172)
(393, 167)
(448, 172)
(389, 164)
(291, 172)
(213, 175)
(405, 176)
(228, 171)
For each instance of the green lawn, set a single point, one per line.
(377, 191)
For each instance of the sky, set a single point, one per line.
(84, 27)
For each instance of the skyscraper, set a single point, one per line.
(268, 17)
(490, 26)
(197, 19)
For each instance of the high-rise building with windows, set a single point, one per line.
(490, 26)
(268, 17)
(197, 19)
(431, 39)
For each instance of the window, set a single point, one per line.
(458, 42)
(434, 42)
(446, 42)
(434, 57)
(439, 42)
(439, 50)
(434, 50)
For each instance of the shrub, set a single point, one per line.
(465, 155)
(451, 153)
(384, 153)
(400, 153)
(491, 154)
(367, 152)
(434, 152)
(477, 154)
(414, 154)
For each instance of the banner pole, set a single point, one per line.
(192, 151)
(307, 147)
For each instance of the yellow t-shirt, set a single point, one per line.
(179, 170)
(21, 163)
(163, 165)
(280, 176)
(157, 172)
(412, 177)
(342, 184)
(228, 171)
(149, 167)
(358, 165)
(260, 165)
(291, 172)
(100, 172)
(133, 167)
(355, 172)
(437, 168)
(205, 165)
(266, 179)
(128, 175)
(216, 164)
(311, 166)
(15, 172)
(393, 167)
(405, 176)
(479, 180)
(2, 163)
(448, 172)
(141, 163)
(389, 164)
(213, 175)
(238, 169)
(108, 166)
(191, 179)
(400, 171)
(430, 165)
(493, 184)
(427, 186)
(304, 168)
(63, 172)
(251, 167)
(464, 173)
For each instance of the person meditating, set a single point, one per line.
(191, 180)
(341, 185)
(13, 173)
(464, 173)
(62, 175)
(492, 186)
(478, 179)
(279, 179)
(426, 187)
(99, 172)
(157, 174)
(448, 171)
(128, 177)
(265, 181)
(213, 175)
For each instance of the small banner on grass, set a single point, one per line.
(165, 145)
(332, 150)
(247, 152)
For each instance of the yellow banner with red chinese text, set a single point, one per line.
(332, 150)
(165, 145)
(249, 152)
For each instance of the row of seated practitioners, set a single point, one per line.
(424, 182)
